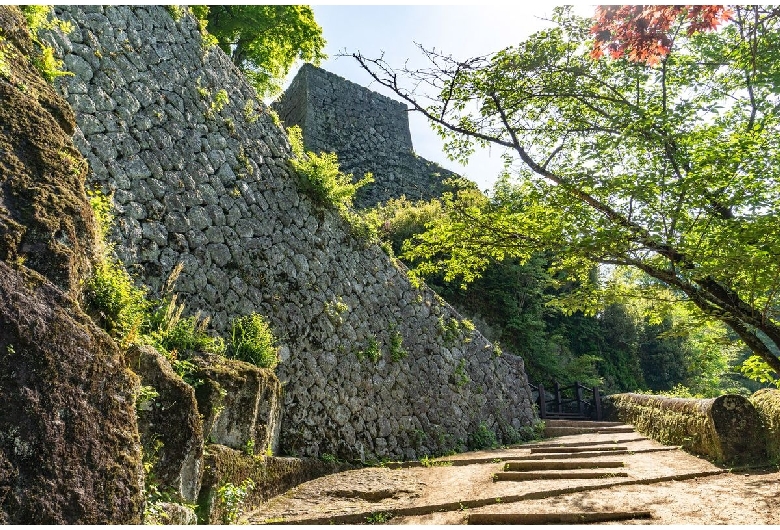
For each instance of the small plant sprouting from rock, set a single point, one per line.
(328, 458)
(461, 377)
(220, 100)
(231, 499)
(321, 177)
(397, 351)
(176, 12)
(145, 396)
(250, 115)
(252, 340)
(40, 17)
(249, 447)
(373, 350)
(334, 310)
(379, 518)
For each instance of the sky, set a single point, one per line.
(460, 30)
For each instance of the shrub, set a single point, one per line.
(320, 176)
(251, 340)
(482, 438)
(117, 304)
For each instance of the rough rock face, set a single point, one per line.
(45, 220)
(199, 172)
(368, 131)
(169, 424)
(240, 403)
(767, 403)
(727, 428)
(69, 450)
(271, 475)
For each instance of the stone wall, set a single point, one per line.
(207, 183)
(368, 131)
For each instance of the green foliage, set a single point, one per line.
(320, 176)
(426, 461)
(755, 369)
(397, 351)
(671, 170)
(175, 11)
(461, 376)
(264, 41)
(146, 394)
(40, 17)
(230, 499)
(119, 306)
(482, 438)
(372, 351)
(220, 100)
(252, 340)
(379, 517)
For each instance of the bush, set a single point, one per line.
(482, 438)
(321, 177)
(251, 340)
(117, 304)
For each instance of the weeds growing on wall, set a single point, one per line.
(252, 340)
(231, 499)
(40, 17)
(131, 316)
(322, 180)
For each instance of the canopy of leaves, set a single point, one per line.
(264, 41)
(646, 33)
(672, 169)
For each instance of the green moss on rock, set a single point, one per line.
(726, 429)
(45, 219)
(767, 403)
(271, 476)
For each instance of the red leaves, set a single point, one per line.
(642, 33)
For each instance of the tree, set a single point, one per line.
(669, 168)
(264, 41)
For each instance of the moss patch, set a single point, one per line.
(767, 403)
(271, 476)
(726, 429)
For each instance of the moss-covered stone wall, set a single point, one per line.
(726, 429)
(767, 403)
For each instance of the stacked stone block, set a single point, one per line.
(208, 184)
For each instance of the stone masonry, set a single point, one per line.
(199, 175)
(368, 131)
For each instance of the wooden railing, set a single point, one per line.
(574, 401)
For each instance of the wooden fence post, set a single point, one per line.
(558, 402)
(597, 403)
(580, 401)
(542, 402)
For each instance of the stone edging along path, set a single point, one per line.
(364, 495)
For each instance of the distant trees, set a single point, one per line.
(264, 41)
(668, 164)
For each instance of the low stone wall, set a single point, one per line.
(726, 429)
(271, 476)
(767, 403)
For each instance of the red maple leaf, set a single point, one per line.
(642, 33)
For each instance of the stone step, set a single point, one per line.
(555, 518)
(556, 475)
(552, 432)
(587, 449)
(582, 423)
(584, 444)
(556, 456)
(548, 465)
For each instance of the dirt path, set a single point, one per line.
(676, 487)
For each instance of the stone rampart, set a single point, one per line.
(371, 366)
(368, 131)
